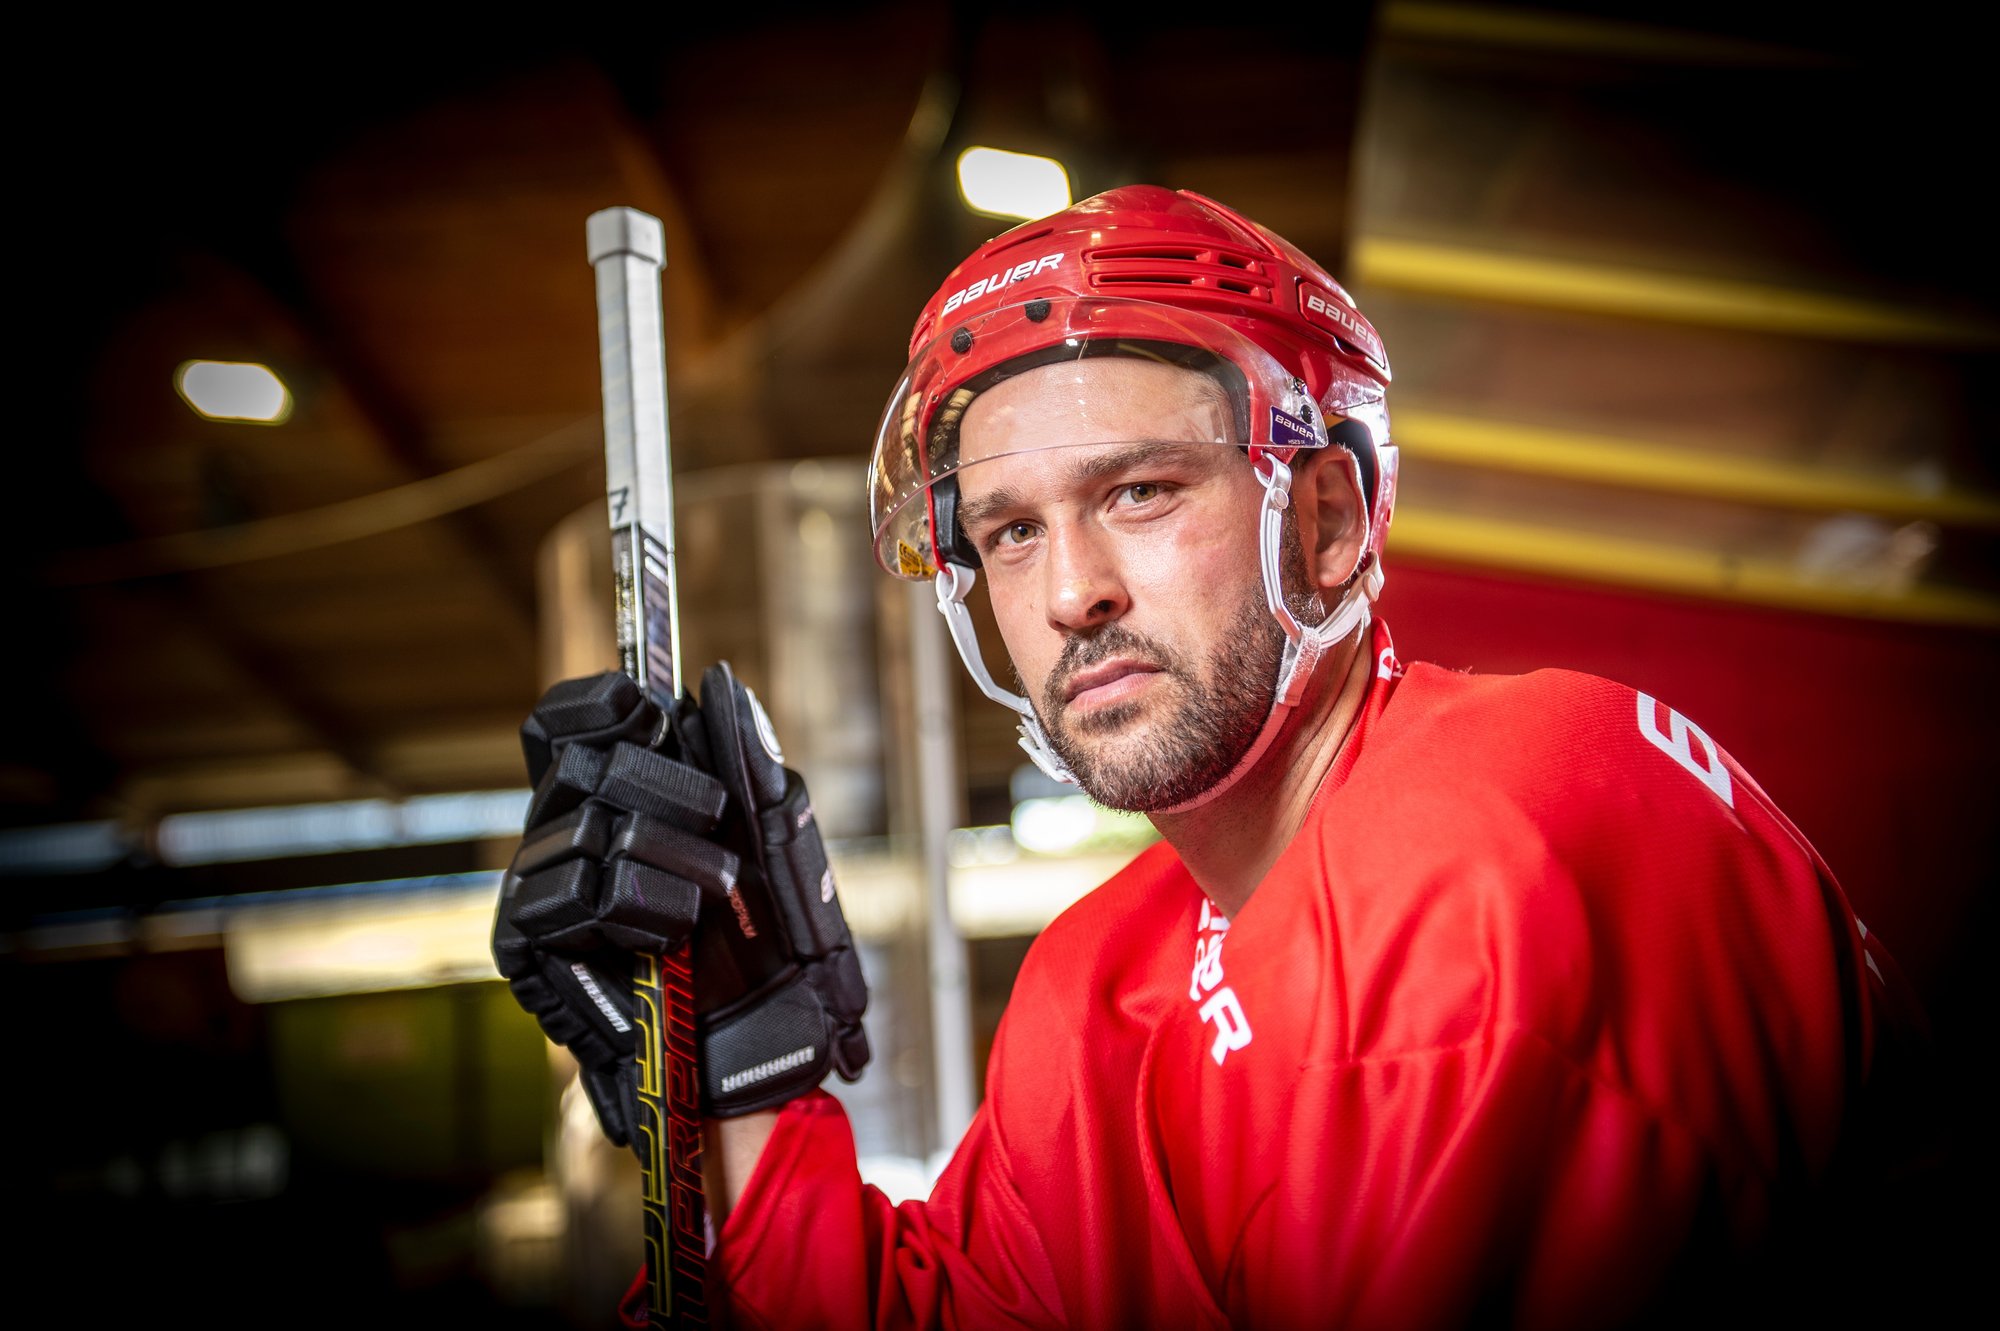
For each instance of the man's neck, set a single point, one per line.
(1231, 842)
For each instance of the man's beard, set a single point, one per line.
(1201, 728)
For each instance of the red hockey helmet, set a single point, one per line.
(1143, 271)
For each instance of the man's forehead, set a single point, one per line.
(1094, 401)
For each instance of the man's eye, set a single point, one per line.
(1140, 492)
(1015, 533)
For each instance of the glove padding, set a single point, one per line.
(613, 863)
(630, 846)
(800, 1008)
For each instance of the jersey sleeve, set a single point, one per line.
(811, 1245)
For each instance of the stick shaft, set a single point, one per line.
(627, 250)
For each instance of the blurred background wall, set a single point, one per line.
(1693, 316)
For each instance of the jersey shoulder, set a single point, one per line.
(1566, 748)
(1559, 852)
(1523, 788)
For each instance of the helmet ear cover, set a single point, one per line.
(953, 545)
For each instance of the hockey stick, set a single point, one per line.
(628, 250)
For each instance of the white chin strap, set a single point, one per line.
(1305, 644)
(953, 582)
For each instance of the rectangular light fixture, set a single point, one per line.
(225, 390)
(1004, 184)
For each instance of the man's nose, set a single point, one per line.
(1085, 586)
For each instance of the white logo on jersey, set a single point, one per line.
(1232, 1027)
(1675, 744)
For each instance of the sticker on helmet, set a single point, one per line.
(911, 564)
(1288, 431)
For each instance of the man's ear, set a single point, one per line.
(1326, 495)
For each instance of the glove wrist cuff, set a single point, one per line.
(770, 1047)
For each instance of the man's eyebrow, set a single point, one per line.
(973, 513)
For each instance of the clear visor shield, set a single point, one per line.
(1078, 373)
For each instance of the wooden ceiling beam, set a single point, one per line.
(56, 772)
(403, 438)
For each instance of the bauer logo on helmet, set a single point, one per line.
(1329, 311)
(986, 286)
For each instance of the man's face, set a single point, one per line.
(1119, 546)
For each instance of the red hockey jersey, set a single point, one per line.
(1545, 1006)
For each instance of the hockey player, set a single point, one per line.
(1446, 999)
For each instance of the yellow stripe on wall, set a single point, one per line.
(1519, 279)
(1605, 460)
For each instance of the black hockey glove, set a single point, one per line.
(630, 841)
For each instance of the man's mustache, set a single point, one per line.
(1081, 652)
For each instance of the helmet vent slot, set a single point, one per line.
(1178, 254)
(1198, 266)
